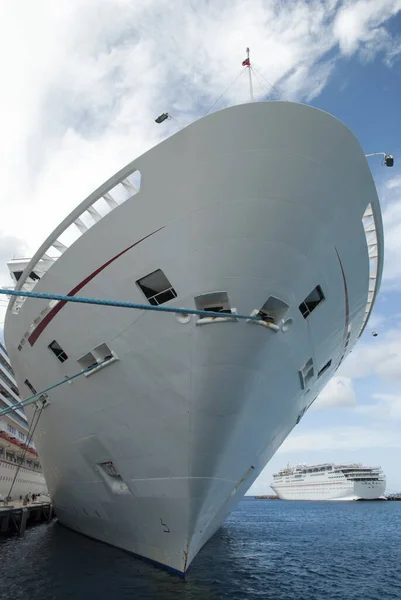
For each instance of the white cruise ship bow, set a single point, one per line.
(265, 208)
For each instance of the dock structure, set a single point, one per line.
(16, 517)
(267, 497)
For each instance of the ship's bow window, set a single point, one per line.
(30, 386)
(157, 288)
(58, 351)
(311, 301)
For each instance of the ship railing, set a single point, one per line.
(114, 192)
(375, 252)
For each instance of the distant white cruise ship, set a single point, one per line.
(20, 469)
(330, 482)
(266, 209)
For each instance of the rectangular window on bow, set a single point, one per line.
(58, 351)
(157, 288)
(311, 301)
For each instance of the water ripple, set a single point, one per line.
(265, 550)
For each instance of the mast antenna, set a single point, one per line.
(247, 63)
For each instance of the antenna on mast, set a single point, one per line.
(247, 63)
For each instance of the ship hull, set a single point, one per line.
(345, 490)
(26, 482)
(249, 202)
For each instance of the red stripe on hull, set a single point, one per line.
(346, 298)
(56, 309)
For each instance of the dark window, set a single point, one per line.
(323, 369)
(34, 276)
(30, 386)
(58, 351)
(17, 274)
(311, 301)
(157, 288)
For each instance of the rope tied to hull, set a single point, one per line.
(133, 305)
(35, 397)
(119, 304)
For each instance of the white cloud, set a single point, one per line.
(359, 25)
(386, 407)
(376, 320)
(394, 182)
(381, 357)
(86, 78)
(341, 438)
(338, 392)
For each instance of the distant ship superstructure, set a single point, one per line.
(19, 462)
(330, 482)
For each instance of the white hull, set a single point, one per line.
(27, 481)
(330, 482)
(249, 201)
(347, 490)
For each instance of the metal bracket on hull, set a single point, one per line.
(101, 366)
(263, 322)
(112, 478)
(227, 319)
(42, 402)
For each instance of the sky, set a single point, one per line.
(83, 81)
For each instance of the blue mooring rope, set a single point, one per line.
(34, 397)
(120, 304)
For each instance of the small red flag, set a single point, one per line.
(246, 63)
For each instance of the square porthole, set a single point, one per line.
(58, 351)
(157, 288)
(311, 301)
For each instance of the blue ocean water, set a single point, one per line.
(266, 549)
